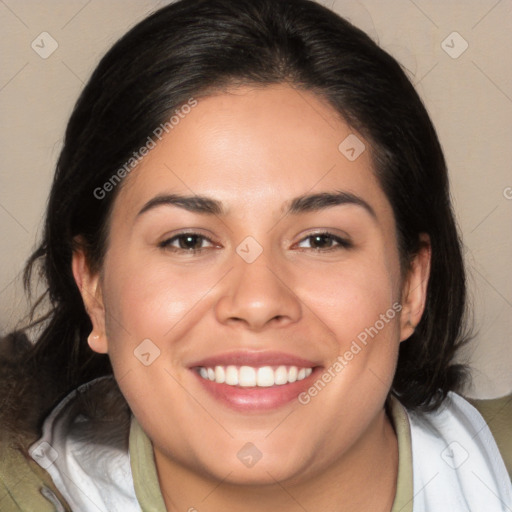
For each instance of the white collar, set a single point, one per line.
(90, 466)
(457, 466)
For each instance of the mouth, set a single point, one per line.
(255, 382)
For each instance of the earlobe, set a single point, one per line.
(97, 343)
(414, 292)
(90, 289)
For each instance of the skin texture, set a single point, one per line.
(254, 149)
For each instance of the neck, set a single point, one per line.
(372, 463)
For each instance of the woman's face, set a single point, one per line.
(254, 245)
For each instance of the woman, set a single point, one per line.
(256, 280)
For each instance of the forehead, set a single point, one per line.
(252, 146)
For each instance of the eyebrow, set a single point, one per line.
(196, 204)
(301, 204)
(323, 200)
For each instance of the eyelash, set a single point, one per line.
(166, 244)
(342, 243)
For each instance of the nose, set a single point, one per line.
(257, 295)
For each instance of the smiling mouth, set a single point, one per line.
(255, 381)
(258, 377)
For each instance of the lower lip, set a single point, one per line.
(247, 399)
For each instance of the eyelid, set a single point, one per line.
(166, 241)
(344, 241)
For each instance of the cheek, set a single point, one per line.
(149, 299)
(359, 305)
(353, 298)
(150, 310)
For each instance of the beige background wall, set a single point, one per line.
(468, 92)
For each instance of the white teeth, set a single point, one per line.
(247, 376)
(292, 374)
(220, 374)
(265, 377)
(281, 376)
(232, 375)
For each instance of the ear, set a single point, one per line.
(414, 291)
(90, 288)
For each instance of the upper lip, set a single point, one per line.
(255, 359)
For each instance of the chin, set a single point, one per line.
(266, 461)
(262, 473)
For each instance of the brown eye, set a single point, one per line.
(324, 241)
(188, 242)
(321, 241)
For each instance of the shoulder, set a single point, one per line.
(95, 414)
(456, 458)
(479, 429)
(23, 484)
(26, 483)
(497, 413)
